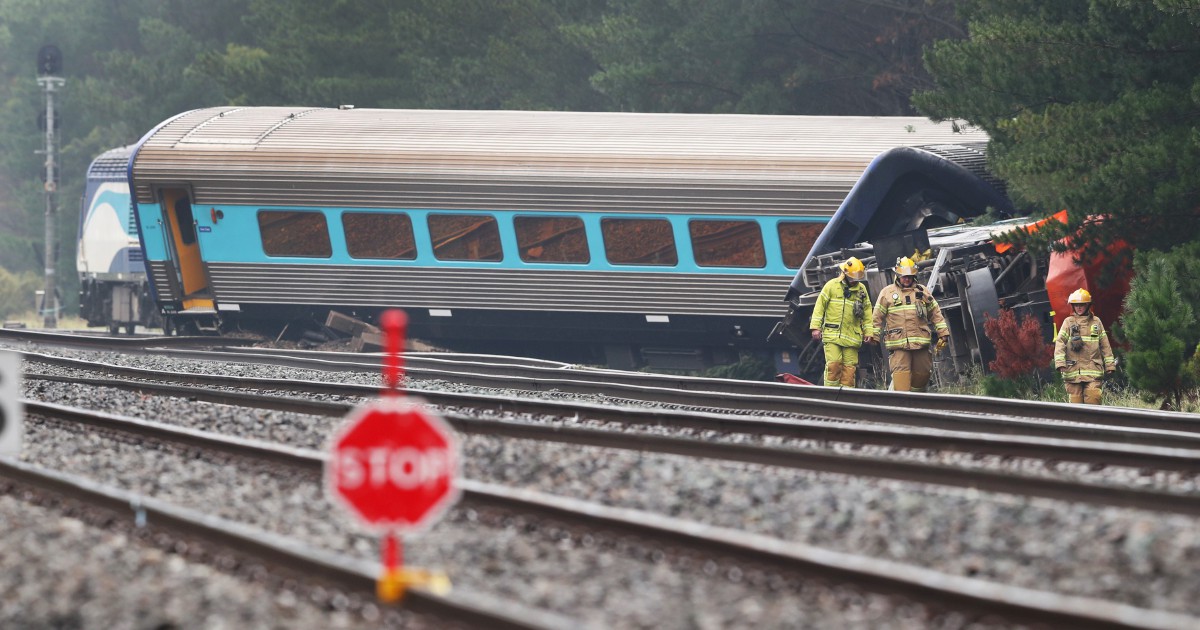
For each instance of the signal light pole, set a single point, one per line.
(49, 67)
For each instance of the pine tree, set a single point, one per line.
(1183, 264)
(1155, 323)
(1090, 106)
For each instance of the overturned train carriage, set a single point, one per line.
(971, 277)
(629, 239)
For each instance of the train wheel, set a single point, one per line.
(168, 326)
(130, 329)
(114, 328)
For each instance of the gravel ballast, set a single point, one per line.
(1130, 556)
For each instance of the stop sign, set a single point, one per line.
(394, 465)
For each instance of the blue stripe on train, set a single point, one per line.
(235, 238)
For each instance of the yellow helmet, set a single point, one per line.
(1080, 296)
(854, 269)
(906, 267)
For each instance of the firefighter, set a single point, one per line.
(1082, 352)
(907, 317)
(840, 320)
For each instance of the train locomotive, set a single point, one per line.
(630, 240)
(114, 291)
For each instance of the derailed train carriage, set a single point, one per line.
(625, 239)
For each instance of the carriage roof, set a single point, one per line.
(523, 159)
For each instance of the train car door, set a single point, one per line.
(177, 209)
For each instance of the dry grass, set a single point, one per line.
(32, 319)
(1115, 394)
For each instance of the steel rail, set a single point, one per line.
(1157, 450)
(927, 419)
(718, 392)
(939, 589)
(314, 564)
(851, 465)
(538, 375)
(125, 343)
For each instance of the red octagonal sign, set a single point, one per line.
(394, 464)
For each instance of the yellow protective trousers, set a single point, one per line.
(841, 365)
(910, 369)
(1086, 393)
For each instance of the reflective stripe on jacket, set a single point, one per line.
(908, 318)
(833, 314)
(1094, 356)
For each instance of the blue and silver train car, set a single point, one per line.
(631, 239)
(113, 288)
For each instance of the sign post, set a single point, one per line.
(395, 465)
(10, 404)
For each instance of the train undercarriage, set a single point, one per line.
(971, 278)
(118, 305)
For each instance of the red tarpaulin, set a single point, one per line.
(1065, 276)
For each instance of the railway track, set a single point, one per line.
(1176, 459)
(547, 376)
(290, 558)
(487, 371)
(977, 597)
(806, 421)
(834, 439)
(935, 411)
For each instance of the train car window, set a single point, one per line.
(378, 235)
(639, 242)
(465, 237)
(551, 239)
(796, 238)
(294, 233)
(727, 244)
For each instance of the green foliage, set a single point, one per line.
(990, 217)
(1031, 386)
(453, 54)
(1090, 105)
(1183, 267)
(17, 253)
(804, 57)
(1027, 387)
(127, 65)
(1193, 365)
(1155, 322)
(1000, 387)
(748, 368)
(17, 291)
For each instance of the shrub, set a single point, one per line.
(998, 387)
(16, 291)
(748, 368)
(1183, 267)
(1157, 323)
(1021, 351)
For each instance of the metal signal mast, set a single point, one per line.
(49, 69)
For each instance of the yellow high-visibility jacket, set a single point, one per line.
(908, 318)
(834, 313)
(1092, 359)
